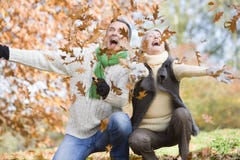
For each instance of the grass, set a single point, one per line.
(217, 144)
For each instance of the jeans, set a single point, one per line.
(116, 134)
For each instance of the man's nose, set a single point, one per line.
(115, 33)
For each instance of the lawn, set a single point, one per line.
(215, 145)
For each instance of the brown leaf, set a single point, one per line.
(108, 148)
(139, 22)
(212, 5)
(115, 89)
(81, 88)
(207, 118)
(217, 16)
(155, 12)
(180, 61)
(81, 70)
(232, 24)
(166, 35)
(198, 57)
(63, 108)
(67, 50)
(104, 124)
(49, 57)
(124, 32)
(74, 98)
(141, 94)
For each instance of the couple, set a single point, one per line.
(159, 119)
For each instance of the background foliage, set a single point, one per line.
(34, 104)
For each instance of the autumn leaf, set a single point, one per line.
(155, 12)
(115, 89)
(212, 5)
(80, 70)
(74, 98)
(166, 35)
(141, 94)
(124, 32)
(63, 108)
(197, 53)
(140, 34)
(108, 148)
(104, 124)
(63, 57)
(67, 51)
(217, 16)
(181, 60)
(80, 59)
(81, 88)
(207, 118)
(49, 57)
(139, 22)
(232, 24)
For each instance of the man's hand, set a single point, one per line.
(4, 52)
(220, 73)
(102, 87)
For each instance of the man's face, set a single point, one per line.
(113, 35)
(151, 43)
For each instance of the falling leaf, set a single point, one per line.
(139, 22)
(74, 98)
(207, 118)
(141, 94)
(198, 57)
(104, 124)
(63, 108)
(67, 50)
(124, 32)
(80, 70)
(49, 57)
(63, 57)
(232, 24)
(115, 89)
(108, 148)
(166, 35)
(155, 12)
(81, 88)
(181, 60)
(217, 16)
(212, 5)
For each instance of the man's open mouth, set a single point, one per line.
(113, 42)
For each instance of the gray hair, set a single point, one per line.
(126, 23)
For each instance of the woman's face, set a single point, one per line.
(151, 43)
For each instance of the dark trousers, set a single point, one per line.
(144, 141)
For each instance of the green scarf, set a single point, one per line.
(104, 61)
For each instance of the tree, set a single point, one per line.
(33, 103)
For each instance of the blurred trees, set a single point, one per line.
(195, 22)
(35, 103)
